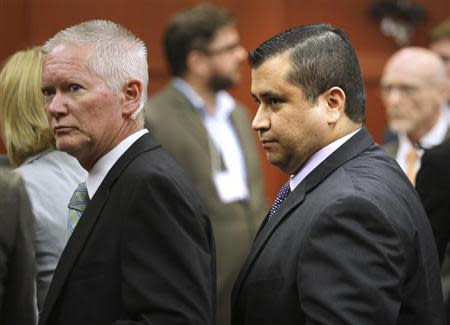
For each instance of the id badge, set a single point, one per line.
(230, 187)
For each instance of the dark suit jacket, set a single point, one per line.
(350, 245)
(433, 186)
(173, 120)
(142, 253)
(17, 264)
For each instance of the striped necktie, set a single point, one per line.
(77, 204)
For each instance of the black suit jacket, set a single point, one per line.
(433, 186)
(142, 253)
(350, 245)
(17, 263)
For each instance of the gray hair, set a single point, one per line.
(119, 55)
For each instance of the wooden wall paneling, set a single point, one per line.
(13, 31)
(24, 23)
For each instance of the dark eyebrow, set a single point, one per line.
(267, 94)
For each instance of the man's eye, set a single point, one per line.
(257, 101)
(273, 101)
(74, 87)
(47, 92)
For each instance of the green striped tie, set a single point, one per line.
(77, 204)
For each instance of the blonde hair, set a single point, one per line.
(23, 122)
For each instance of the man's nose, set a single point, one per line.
(56, 105)
(260, 121)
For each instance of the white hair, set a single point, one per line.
(119, 55)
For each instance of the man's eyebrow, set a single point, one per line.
(267, 94)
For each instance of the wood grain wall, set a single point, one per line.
(25, 23)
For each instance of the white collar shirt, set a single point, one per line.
(316, 158)
(105, 163)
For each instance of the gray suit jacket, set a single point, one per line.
(17, 268)
(350, 245)
(173, 120)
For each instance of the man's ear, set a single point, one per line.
(335, 103)
(132, 93)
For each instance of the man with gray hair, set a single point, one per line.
(413, 89)
(140, 248)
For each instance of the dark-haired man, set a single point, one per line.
(350, 243)
(208, 133)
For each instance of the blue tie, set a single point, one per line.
(77, 204)
(281, 196)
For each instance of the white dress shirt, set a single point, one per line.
(104, 164)
(316, 158)
(432, 138)
(231, 183)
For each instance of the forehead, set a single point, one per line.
(412, 67)
(272, 74)
(65, 60)
(225, 34)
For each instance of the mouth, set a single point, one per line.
(61, 130)
(267, 144)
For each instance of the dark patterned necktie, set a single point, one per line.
(77, 204)
(281, 196)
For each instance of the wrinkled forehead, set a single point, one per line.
(67, 61)
(69, 54)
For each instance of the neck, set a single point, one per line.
(205, 93)
(418, 134)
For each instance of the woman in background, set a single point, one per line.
(50, 176)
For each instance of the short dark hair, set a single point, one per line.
(321, 57)
(192, 29)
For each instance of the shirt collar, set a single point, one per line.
(105, 163)
(437, 133)
(316, 158)
(225, 103)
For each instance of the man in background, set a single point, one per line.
(413, 90)
(439, 43)
(208, 133)
(140, 248)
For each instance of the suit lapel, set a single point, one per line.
(88, 220)
(360, 142)
(193, 122)
(190, 116)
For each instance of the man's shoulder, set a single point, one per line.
(391, 147)
(146, 155)
(166, 97)
(440, 152)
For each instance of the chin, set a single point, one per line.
(400, 127)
